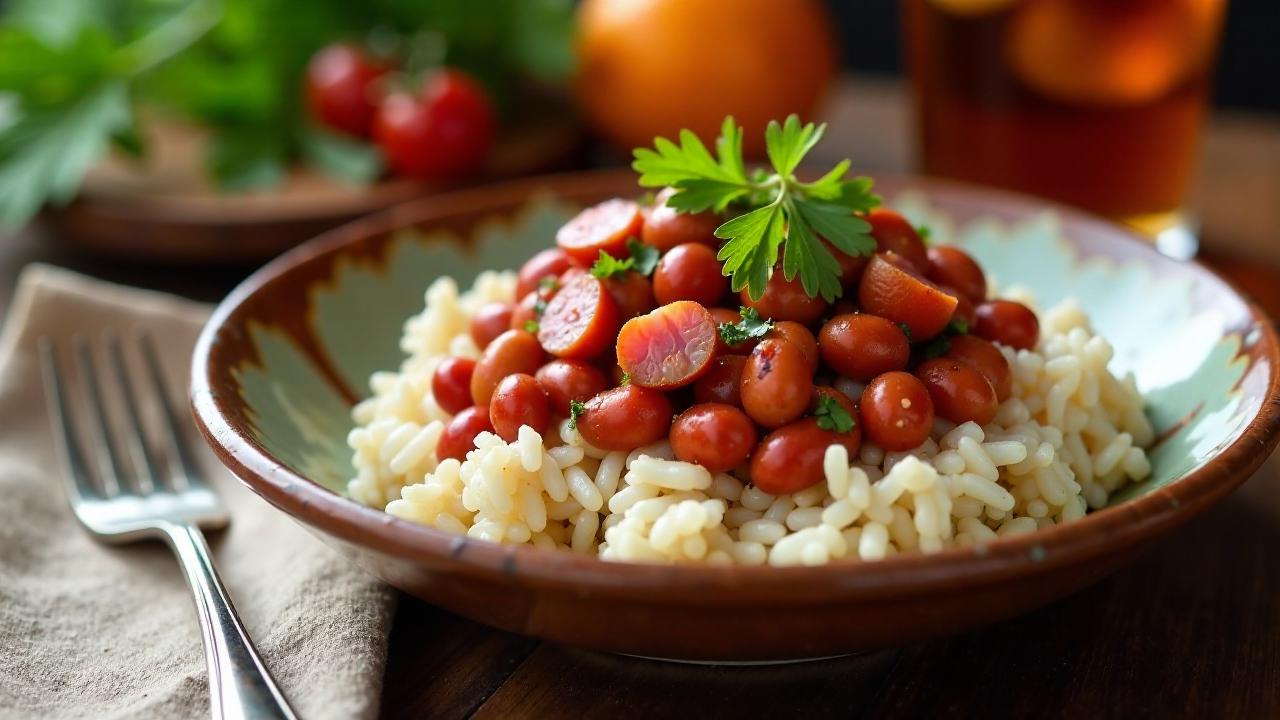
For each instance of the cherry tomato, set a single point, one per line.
(720, 383)
(689, 272)
(965, 309)
(1008, 323)
(664, 228)
(569, 380)
(451, 383)
(548, 263)
(724, 315)
(341, 80)
(790, 458)
(601, 227)
(851, 266)
(776, 382)
(669, 347)
(896, 411)
(892, 290)
(959, 392)
(951, 266)
(625, 417)
(443, 133)
(490, 321)
(514, 351)
(581, 321)
(459, 436)
(785, 300)
(632, 293)
(525, 312)
(862, 346)
(798, 335)
(894, 234)
(518, 400)
(986, 359)
(717, 437)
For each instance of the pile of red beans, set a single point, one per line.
(646, 358)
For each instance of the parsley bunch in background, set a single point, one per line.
(74, 73)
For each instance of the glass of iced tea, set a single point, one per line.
(1095, 103)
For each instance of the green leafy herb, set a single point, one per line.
(531, 326)
(831, 415)
(608, 266)
(642, 259)
(779, 213)
(957, 326)
(539, 307)
(626, 378)
(906, 330)
(936, 347)
(925, 233)
(644, 256)
(342, 157)
(550, 283)
(575, 409)
(750, 326)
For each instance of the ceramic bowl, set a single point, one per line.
(288, 352)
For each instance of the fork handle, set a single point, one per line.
(239, 684)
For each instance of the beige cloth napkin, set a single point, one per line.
(90, 631)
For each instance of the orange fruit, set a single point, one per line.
(648, 68)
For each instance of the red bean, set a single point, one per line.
(862, 346)
(951, 266)
(581, 321)
(490, 321)
(785, 300)
(894, 234)
(896, 411)
(514, 351)
(604, 227)
(717, 437)
(798, 335)
(959, 392)
(689, 272)
(625, 417)
(632, 293)
(776, 382)
(986, 359)
(460, 433)
(1008, 323)
(719, 384)
(669, 347)
(664, 228)
(569, 380)
(891, 289)
(518, 400)
(548, 263)
(451, 384)
(790, 458)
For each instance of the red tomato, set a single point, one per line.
(851, 266)
(443, 133)
(776, 382)
(1008, 323)
(460, 433)
(490, 321)
(514, 351)
(689, 272)
(581, 321)
(717, 437)
(341, 81)
(451, 384)
(551, 262)
(632, 293)
(861, 346)
(668, 348)
(785, 300)
(798, 335)
(951, 266)
(625, 417)
(525, 314)
(790, 458)
(664, 228)
(892, 290)
(894, 234)
(606, 227)
(518, 400)
(964, 306)
(569, 380)
(986, 359)
(896, 411)
(959, 392)
(720, 383)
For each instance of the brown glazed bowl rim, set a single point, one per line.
(1120, 526)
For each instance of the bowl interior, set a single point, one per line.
(306, 338)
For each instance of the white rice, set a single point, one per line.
(1069, 436)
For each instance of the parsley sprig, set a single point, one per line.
(777, 211)
(576, 409)
(750, 326)
(831, 415)
(643, 259)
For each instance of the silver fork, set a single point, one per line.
(123, 506)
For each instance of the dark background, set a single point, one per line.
(1248, 66)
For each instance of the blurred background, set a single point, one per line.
(181, 143)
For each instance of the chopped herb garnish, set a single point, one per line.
(608, 266)
(643, 259)
(575, 409)
(645, 256)
(925, 232)
(750, 326)
(957, 326)
(906, 330)
(531, 326)
(549, 284)
(778, 214)
(831, 415)
(626, 379)
(936, 347)
(539, 306)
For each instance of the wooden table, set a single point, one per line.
(1191, 629)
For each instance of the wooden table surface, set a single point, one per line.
(1192, 629)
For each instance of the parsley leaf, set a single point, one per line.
(779, 214)
(750, 326)
(626, 378)
(936, 347)
(531, 326)
(550, 283)
(608, 266)
(645, 256)
(643, 259)
(906, 330)
(957, 326)
(575, 409)
(925, 233)
(831, 415)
